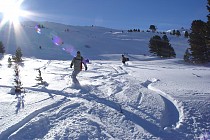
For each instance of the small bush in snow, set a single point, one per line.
(18, 55)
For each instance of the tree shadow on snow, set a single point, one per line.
(20, 102)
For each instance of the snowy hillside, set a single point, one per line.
(148, 98)
(93, 42)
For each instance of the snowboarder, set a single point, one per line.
(124, 59)
(77, 63)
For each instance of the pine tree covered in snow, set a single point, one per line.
(18, 84)
(9, 62)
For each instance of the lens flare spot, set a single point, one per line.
(70, 49)
(57, 40)
(38, 30)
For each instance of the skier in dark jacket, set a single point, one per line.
(124, 59)
(77, 63)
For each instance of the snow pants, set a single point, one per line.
(74, 76)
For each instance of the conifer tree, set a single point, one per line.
(186, 34)
(18, 84)
(155, 44)
(153, 28)
(173, 32)
(18, 55)
(208, 31)
(161, 47)
(197, 42)
(178, 33)
(187, 56)
(9, 62)
(166, 49)
(2, 49)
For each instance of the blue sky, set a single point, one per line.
(120, 14)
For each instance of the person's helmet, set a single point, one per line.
(78, 52)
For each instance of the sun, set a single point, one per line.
(11, 11)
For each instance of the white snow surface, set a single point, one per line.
(148, 98)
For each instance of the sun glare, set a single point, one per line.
(11, 11)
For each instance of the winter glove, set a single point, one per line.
(85, 68)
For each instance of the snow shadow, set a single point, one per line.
(4, 135)
(18, 96)
(20, 102)
(146, 125)
(1, 57)
(145, 58)
(144, 112)
(170, 115)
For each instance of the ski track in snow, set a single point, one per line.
(98, 96)
(5, 134)
(173, 115)
(170, 107)
(109, 103)
(170, 116)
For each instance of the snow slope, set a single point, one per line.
(94, 42)
(149, 98)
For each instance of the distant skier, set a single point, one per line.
(124, 59)
(77, 63)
